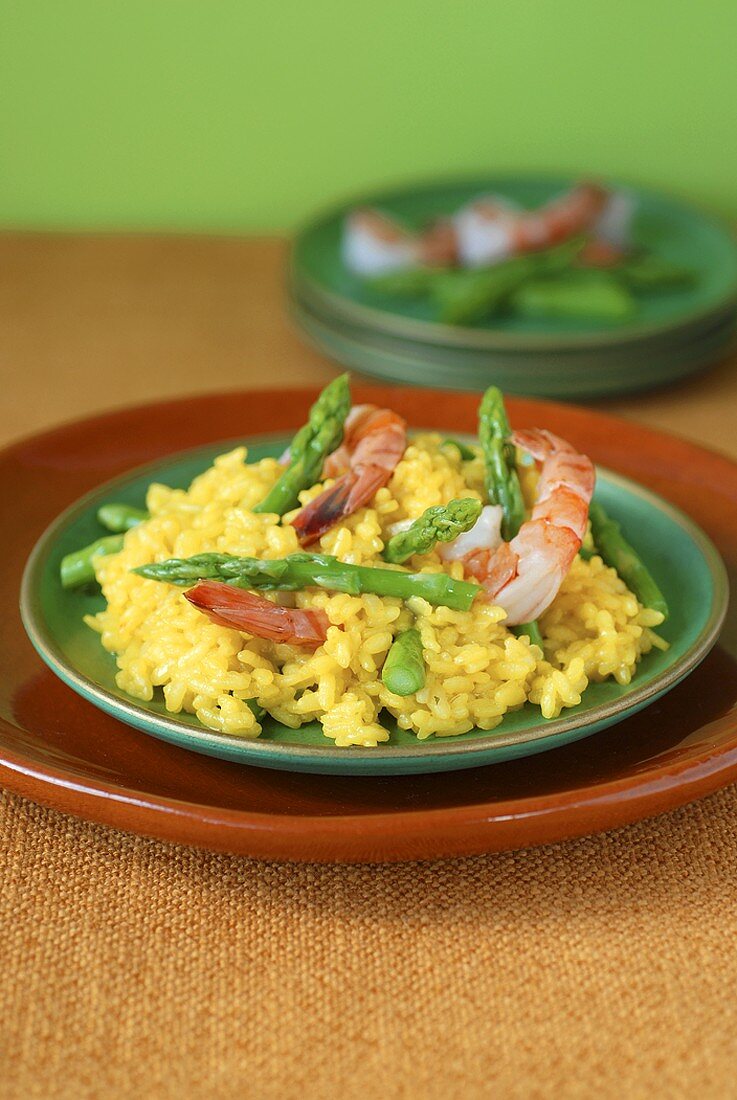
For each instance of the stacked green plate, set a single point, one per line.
(675, 332)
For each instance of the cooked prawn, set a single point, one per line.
(600, 254)
(229, 606)
(614, 222)
(523, 576)
(486, 534)
(375, 244)
(438, 244)
(373, 443)
(611, 233)
(490, 230)
(484, 231)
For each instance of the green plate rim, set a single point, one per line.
(282, 755)
(457, 335)
(409, 365)
(725, 322)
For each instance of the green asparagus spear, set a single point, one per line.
(502, 483)
(311, 445)
(650, 272)
(532, 630)
(411, 282)
(575, 294)
(617, 552)
(77, 568)
(441, 523)
(404, 668)
(120, 517)
(549, 261)
(464, 297)
(467, 453)
(306, 570)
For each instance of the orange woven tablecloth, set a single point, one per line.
(130, 968)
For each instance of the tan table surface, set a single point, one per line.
(605, 966)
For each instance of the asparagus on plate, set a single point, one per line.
(441, 523)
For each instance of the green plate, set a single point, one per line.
(571, 358)
(669, 228)
(681, 556)
(573, 374)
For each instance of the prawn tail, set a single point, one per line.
(494, 568)
(600, 254)
(349, 493)
(368, 482)
(339, 462)
(538, 442)
(325, 510)
(245, 611)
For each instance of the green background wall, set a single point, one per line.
(247, 114)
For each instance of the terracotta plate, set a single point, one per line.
(57, 748)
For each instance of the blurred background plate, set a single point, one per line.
(676, 331)
(480, 338)
(581, 373)
(676, 231)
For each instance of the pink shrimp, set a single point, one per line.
(374, 442)
(375, 244)
(561, 218)
(523, 576)
(599, 253)
(489, 230)
(438, 244)
(239, 610)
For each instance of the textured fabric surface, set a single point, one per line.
(604, 967)
(600, 967)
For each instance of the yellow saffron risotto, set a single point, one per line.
(477, 669)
